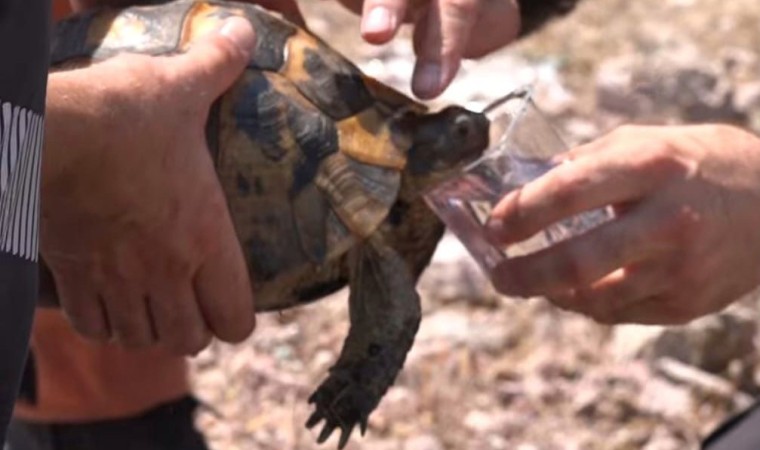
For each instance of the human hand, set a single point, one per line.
(685, 239)
(135, 227)
(445, 31)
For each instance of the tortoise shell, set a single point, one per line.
(300, 104)
(322, 168)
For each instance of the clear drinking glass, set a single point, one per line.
(523, 143)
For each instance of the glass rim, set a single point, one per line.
(522, 93)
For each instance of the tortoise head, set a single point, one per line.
(444, 142)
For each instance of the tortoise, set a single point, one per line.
(323, 169)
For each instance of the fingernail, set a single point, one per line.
(428, 79)
(240, 32)
(378, 20)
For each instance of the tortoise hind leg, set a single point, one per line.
(385, 314)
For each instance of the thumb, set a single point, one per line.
(214, 60)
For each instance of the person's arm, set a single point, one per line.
(135, 228)
(24, 49)
(685, 239)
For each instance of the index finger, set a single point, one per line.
(440, 40)
(573, 187)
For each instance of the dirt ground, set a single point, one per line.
(496, 373)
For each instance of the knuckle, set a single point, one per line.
(682, 223)
(661, 161)
(226, 51)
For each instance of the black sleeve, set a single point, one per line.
(536, 13)
(24, 47)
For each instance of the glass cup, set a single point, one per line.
(523, 143)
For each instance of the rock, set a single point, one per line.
(399, 405)
(322, 361)
(550, 95)
(737, 59)
(577, 131)
(527, 447)
(665, 399)
(747, 96)
(710, 343)
(639, 341)
(703, 382)
(661, 439)
(481, 422)
(385, 444)
(628, 437)
(423, 442)
(681, 83)
(457, 327)
(615, 90)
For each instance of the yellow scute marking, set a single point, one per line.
(203, 19)
(293, 68)
(125, 30)
(366, 137)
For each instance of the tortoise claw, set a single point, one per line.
(363, 425)
(326, 431)
(314, 419)
(345, 435)
(342, 403)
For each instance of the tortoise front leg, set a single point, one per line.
(385, 314)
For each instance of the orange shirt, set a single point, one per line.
(60, 9)
(78, 380)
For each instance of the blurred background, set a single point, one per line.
(489, 372)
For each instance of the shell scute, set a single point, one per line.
(327, 79)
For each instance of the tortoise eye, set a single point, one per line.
(462, 127)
